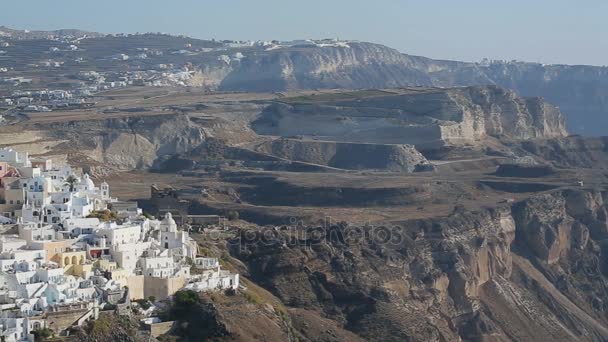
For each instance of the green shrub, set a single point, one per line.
(144, 303)
(103, 215)
(232, 215)
(42, 334)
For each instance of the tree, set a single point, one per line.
(42, 334)
(103, 215)
(232, 215)
(185, 299)
(189, 261)
(71, 180)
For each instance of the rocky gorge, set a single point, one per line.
(518, 272)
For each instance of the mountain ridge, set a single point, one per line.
(579, 90)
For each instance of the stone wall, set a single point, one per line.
(136, 287)
(157, 329)
(59, 321)
(162, 288)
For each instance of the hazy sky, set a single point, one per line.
(549, 31)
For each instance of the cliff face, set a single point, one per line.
(530, 271)
(102, 146)
(360, 65)
(420, 116)
(579, 91)
(499, 112)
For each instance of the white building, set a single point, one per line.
(13, 329)
(17, 159)
(177, 241)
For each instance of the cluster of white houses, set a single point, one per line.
(62, 256)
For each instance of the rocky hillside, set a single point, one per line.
(530, 271)
(400, 158)
(425, 117)
(570, 152)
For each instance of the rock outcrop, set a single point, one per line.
(352, 156)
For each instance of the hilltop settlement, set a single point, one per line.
(75, 250)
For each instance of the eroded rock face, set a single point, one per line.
(422, 117)
(527, 271)
(545, 227)
(579, 90)
(386, 290)
(121, 144)
(503, 113)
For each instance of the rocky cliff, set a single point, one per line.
(515, 273)
(580, 91)
(357, 65)
(102, 146)
(424, 117)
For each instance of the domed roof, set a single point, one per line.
(168, 220)
(86, 181)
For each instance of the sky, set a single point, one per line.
(546, 31)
